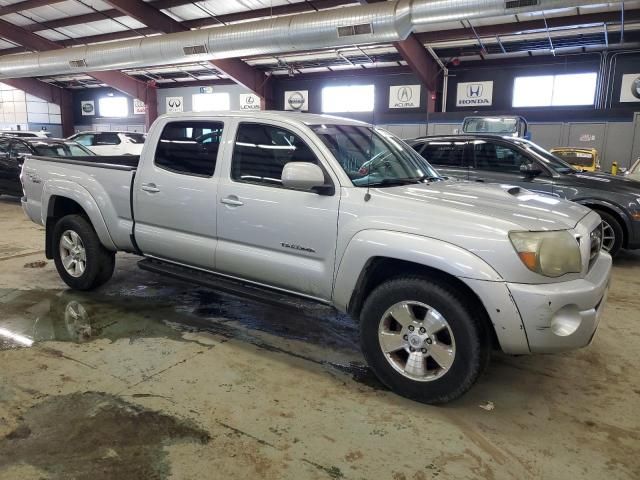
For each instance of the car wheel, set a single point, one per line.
(612, 233)
(81, 260)
(423, 340)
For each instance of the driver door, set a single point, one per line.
(495, 162)
(267, 233)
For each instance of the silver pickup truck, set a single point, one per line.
(268, 204)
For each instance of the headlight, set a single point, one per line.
(551, 254)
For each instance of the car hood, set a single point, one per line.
(506, 207)
(601, 181)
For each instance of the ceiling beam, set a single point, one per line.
(118, 80)
(51, 94)
(243, 74)
(26, 5)
(421, 63)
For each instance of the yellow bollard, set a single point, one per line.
(614, 168)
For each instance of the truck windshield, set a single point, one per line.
(373, 157)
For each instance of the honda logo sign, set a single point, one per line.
(475, 94)
(404, 96)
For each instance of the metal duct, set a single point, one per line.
(374, 23)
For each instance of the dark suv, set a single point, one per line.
(515, 161)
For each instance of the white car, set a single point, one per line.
(26, 133)
(111, 143)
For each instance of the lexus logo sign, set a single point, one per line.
(249, 101)
(404, 96)
(475, 94)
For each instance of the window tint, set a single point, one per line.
(107, 139)
(4, 149)
(87, 140)
(262, 151)
(190, 148)
(447, 154)
(498, 158)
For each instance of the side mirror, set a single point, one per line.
(530, 169)
(302, 176)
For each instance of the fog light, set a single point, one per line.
(566, 321)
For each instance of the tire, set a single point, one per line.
(465, 336)
(99, 263)
(609, 220)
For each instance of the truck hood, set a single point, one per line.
(506, 207)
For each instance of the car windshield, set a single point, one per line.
(549, 159)
(61, 150)
(373, 157)
(499, 125)
(581, 159)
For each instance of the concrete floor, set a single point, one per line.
(152, 378)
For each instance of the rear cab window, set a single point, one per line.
(444, 153)
(189, 147)
(108, 139)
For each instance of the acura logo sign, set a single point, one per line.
(404, 94)
(474, 90)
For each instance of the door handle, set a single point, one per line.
(479, 180)
(150, 187)
(232, 201)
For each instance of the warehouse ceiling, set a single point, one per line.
(78, 22)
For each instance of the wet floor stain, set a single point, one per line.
(169, 310)
(95, 436)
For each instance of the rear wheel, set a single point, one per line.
(81, 260)
(422, 339)
(612, 233)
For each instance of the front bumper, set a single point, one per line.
(563, 316)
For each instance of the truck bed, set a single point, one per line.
(118, 162)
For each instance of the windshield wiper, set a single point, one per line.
(390, 182)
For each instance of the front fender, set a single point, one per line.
(430, 252)
(77, 193)
(587, 202)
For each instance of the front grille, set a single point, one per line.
(596, 244)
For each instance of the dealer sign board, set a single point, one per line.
(630, 91)
(175, 104)
(475, 94)
(297, 100)
(404, 96)
(249, 101)
(88, 107)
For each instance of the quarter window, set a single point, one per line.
(189, 148)
(261, 152)
(86, 140)
(498, 158)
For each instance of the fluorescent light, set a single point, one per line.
(350, 98)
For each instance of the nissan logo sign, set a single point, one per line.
(635, 88)
(296, 100)
(87, 108)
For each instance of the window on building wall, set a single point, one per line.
(350, 98)
(555, 90)
(113, 107)
(205, 102)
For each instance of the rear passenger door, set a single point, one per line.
(175, 193)
(267, 233)
(447, 156)
(498, 162)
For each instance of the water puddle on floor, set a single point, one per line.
(151, 309)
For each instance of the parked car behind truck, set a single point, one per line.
(516, 161)
(274, 204)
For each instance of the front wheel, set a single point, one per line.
(612, 233)
(81, 260)
(422, 339)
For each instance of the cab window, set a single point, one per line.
(444, 153)
(108, 139)
(495, 157)
(189, 148)
(261, 152)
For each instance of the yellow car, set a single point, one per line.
(586, 159)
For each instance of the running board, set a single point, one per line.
(223, 284)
